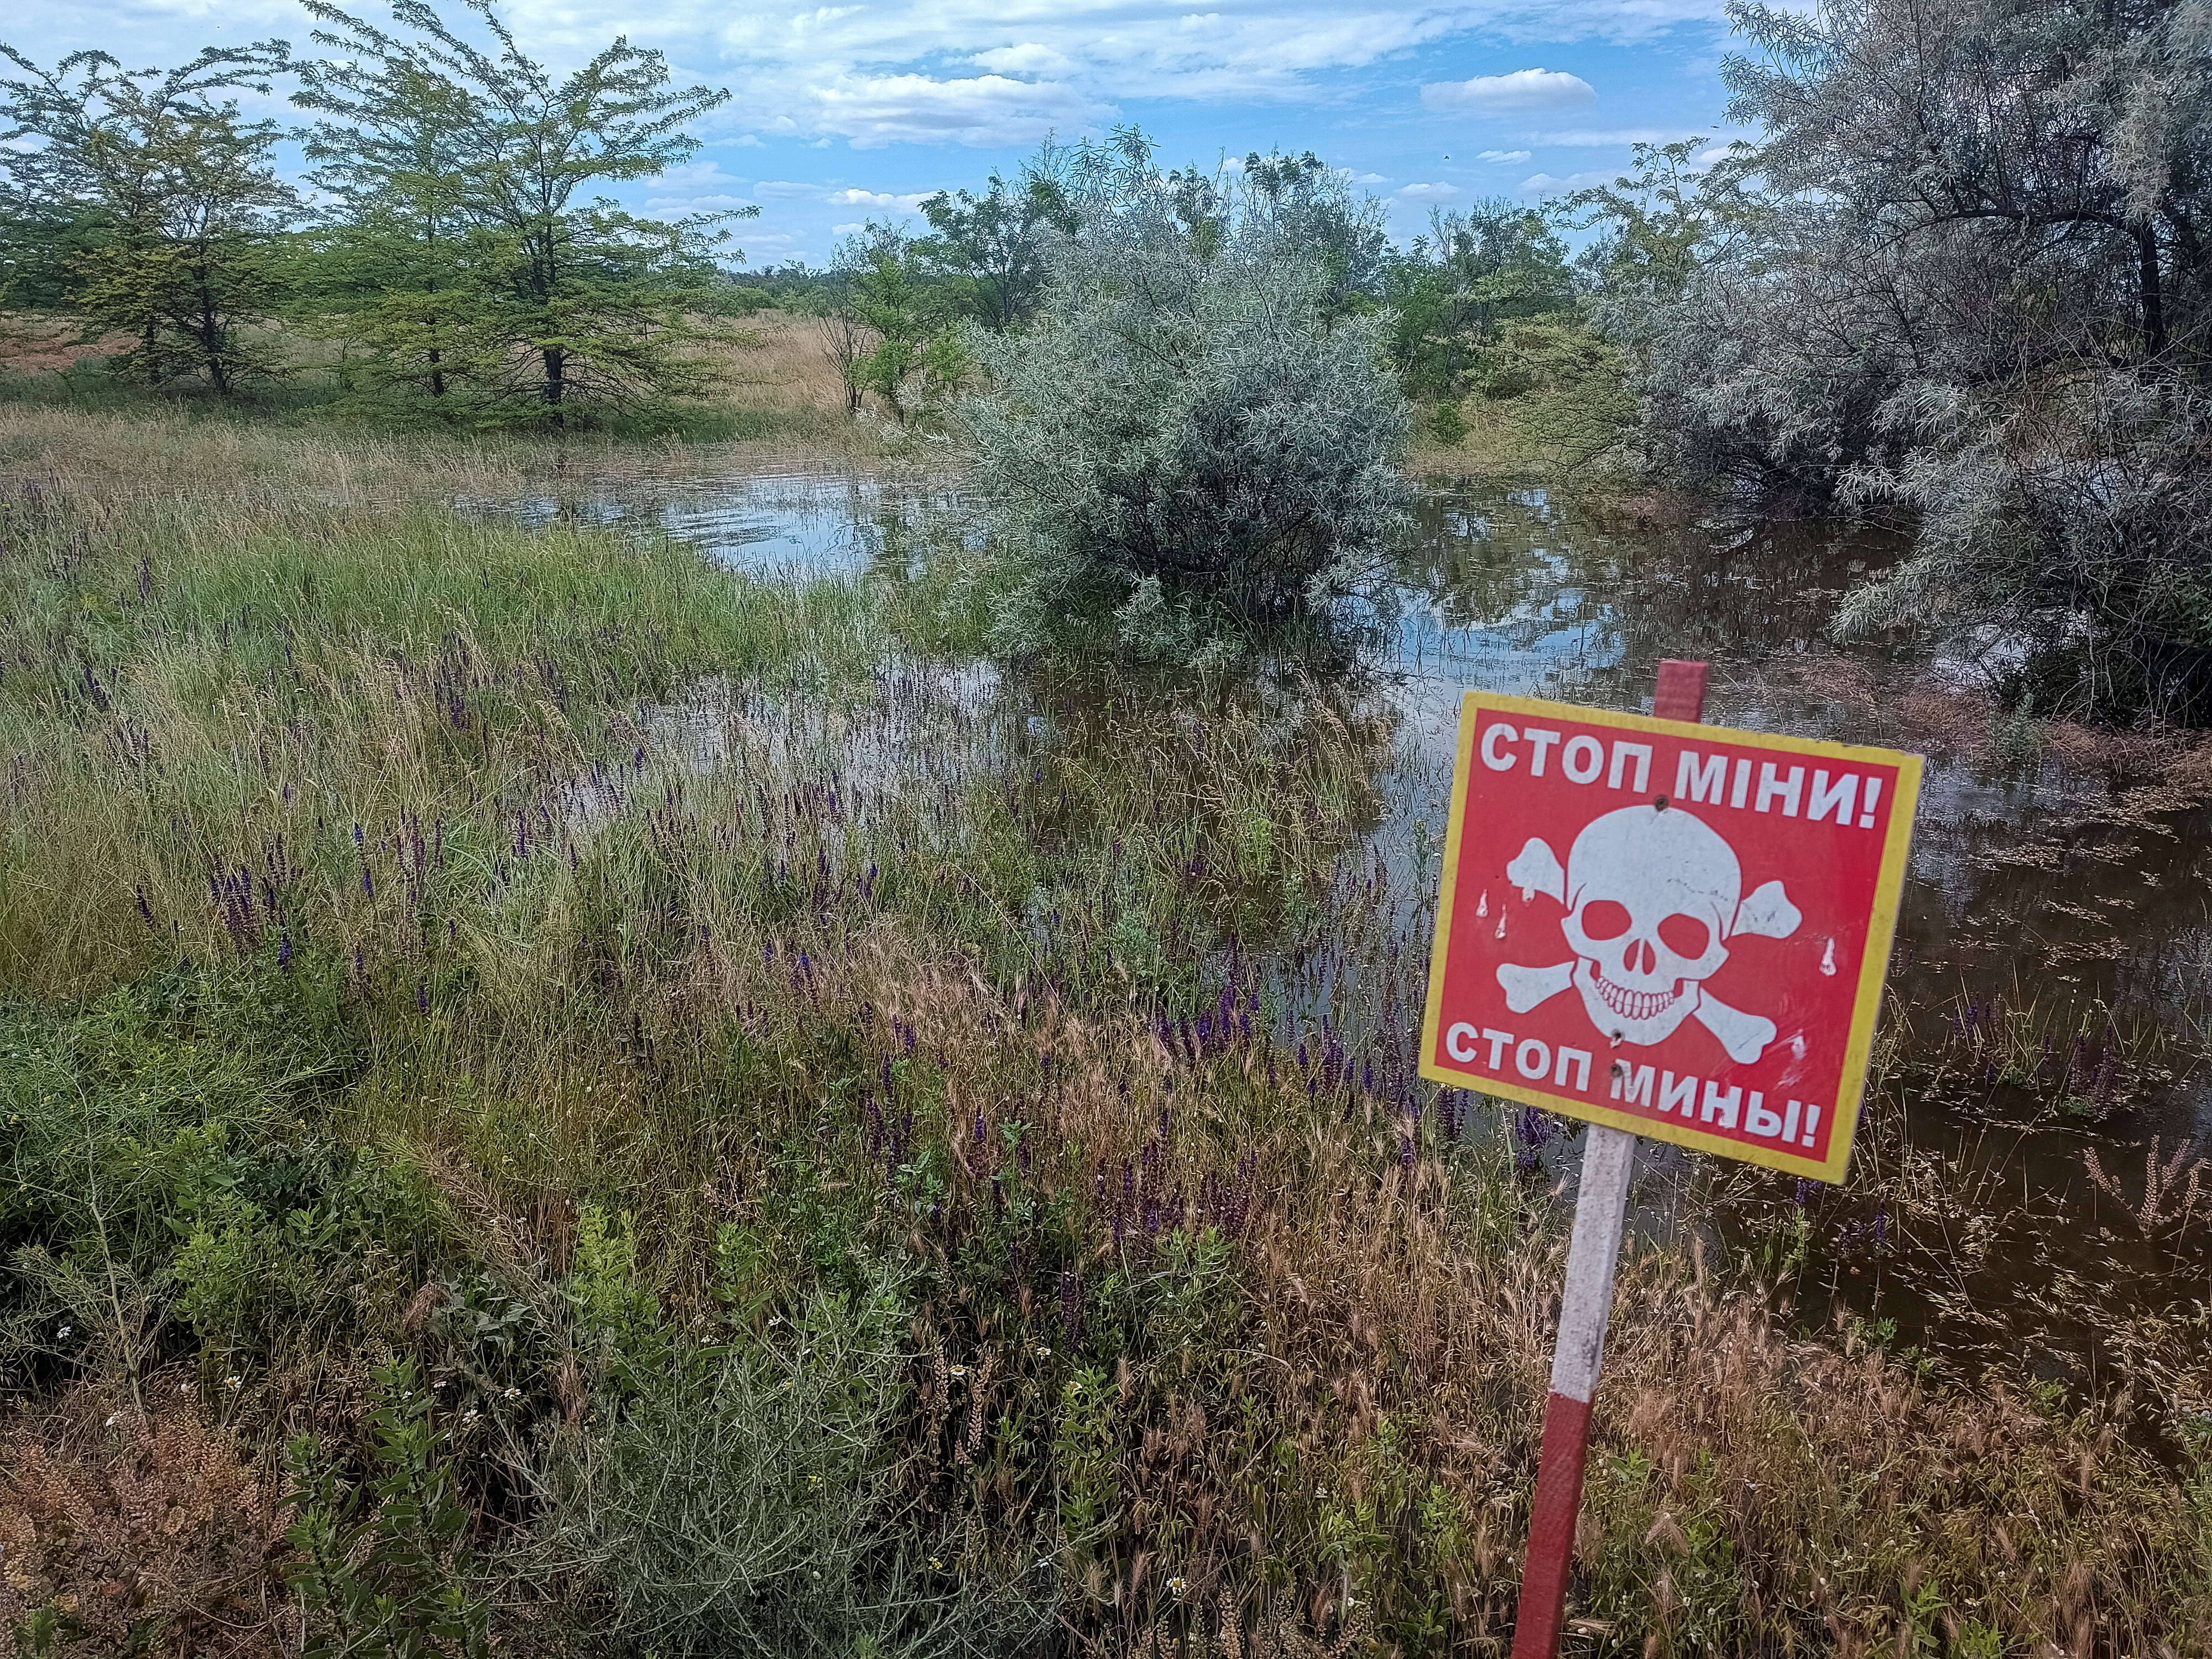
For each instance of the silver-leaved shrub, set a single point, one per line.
(1198, 438)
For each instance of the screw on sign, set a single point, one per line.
(1664, 929)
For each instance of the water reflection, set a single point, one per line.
(793, 525)
(2049, 991)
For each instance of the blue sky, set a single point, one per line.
(843, 113)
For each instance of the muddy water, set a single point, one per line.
(2050, 994)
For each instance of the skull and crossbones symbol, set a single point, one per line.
(1653, 895)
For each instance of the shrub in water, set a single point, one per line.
(1193, 434)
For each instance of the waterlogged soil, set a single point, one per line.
(2049, 994)
(2022, 1188)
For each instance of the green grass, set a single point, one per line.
(715, 1084)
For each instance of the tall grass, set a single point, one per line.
(806, 1102)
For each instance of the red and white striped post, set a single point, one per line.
(1593, 1250)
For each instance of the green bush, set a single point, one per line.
(1189, 437)
(384, 1571)
(153, 1176)
(747, 1501)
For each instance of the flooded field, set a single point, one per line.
(2026, 1183)
(2047, 1019)
(586, 996)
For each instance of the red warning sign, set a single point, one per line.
(1679, 930)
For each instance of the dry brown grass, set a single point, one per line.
(768, 377)
(779, 364)
(36, 344)
(1353, 1423)
(155, 1535)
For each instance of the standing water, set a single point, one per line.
(2026, 1185)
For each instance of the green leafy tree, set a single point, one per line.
(1452, 294)
(570, 304)
(397, 262)
(1299, 202)
(146, 201)
(991, 246)
(917, 359)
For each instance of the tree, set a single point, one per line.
(1960, 278)
(150, 205)
(992, 246)
(916, 359)
(1452, 292)
(847, 339)
(581, 303)
(1296, 201)
(2069, 136)
(399, 257)
(1185, 436)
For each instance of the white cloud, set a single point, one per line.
(981, 71)
(1503, 155)
(1351, 178)
(1431, 192)
(1519, 93)
(694, 204)
(847, 230)
(872, 110)
(1029, 58)
(1544, 184)
(876, 199)
(1095, 53)
(786, 190)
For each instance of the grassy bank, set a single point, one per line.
(564, 1099)
(767, 386)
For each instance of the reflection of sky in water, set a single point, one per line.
(791, 525)
(1518, 593)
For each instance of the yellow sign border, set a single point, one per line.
(1874, 968)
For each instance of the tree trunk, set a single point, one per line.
(211, 333)
(557, 371)
(2154, 310)
(437, 357)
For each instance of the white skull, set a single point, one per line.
(1651, 898)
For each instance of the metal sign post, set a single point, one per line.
(1585, 1308)
(1703, 965)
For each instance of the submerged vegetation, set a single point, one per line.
(710, 1121)
(1187, 436)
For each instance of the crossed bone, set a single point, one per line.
(1767, 912)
